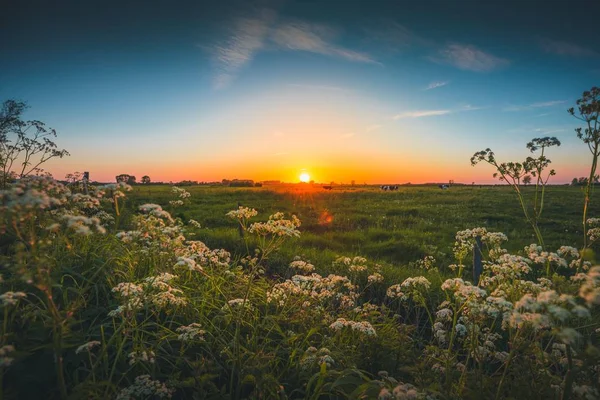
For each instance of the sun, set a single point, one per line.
(304, 177)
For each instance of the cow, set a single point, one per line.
(327, 187)
(443, 187)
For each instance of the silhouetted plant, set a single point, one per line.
(588, 110)
(24, 143)
(515, 173)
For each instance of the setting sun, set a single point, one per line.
(304, 177)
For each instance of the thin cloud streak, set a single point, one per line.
(469, 58)
(421, 114)
(535, 105)
(435, 85)
(566, 49)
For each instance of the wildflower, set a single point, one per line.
(141, 356)
(242, 213)
(363, 327)
(190, 332)
(194, 223)
(11, 298)
(144, 387)
(412, 288)
(87, 346)
(5, 360)
(375, 278)
(302, 266)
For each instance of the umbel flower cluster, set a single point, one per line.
(118, 302)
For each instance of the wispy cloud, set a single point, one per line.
(533, 106)
(469, 57)
(435, 85)
(421, 114)
(314, 38)
(372, 128)
(347, 135)
(261, 31)
(393, 36)
(433, 113)
(469, 107)
(566, 49)
(247, 36)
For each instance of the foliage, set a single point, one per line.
(146, 312)
(588, 111)
(515, 173)
(26, 144)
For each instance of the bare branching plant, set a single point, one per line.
(516, 174)
(588, 110)
(24, 145)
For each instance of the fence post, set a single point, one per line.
(477, 262)
(86, 178)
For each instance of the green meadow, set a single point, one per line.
(395, 227)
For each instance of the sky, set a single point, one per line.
(372, 91)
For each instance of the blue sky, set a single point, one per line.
(374, 91)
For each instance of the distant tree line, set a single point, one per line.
(583, 181)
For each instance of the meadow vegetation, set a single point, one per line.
(155, 292)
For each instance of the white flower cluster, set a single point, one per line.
(538, 256)
(277, 225)
(5, 351)
(194, 223)
(375, 278)
(426, 263)
(316, 357)
(182, 194)
(412, 288)
(242, 213)
(363, 327)
(237, 303)
(11, 298)
(195, 255)
(188, 333)
(145, 388)
(332, 291)
(302, 266)
(141, 356)
(82, 225)
(156, 211)
(153, 291)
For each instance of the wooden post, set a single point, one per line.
(477, 260)
(86, 178)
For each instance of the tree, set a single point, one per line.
(128, 179)
(514, 173)
(588, 111)
(26, 144)
(145, 179)
(122, 178)
(527, 179)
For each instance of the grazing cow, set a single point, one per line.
(327, 187)
(443, 187)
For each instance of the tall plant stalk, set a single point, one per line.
(588, 111)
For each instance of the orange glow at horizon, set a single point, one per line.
(304, 177)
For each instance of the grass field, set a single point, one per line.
(158, 292)
(396, 227)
